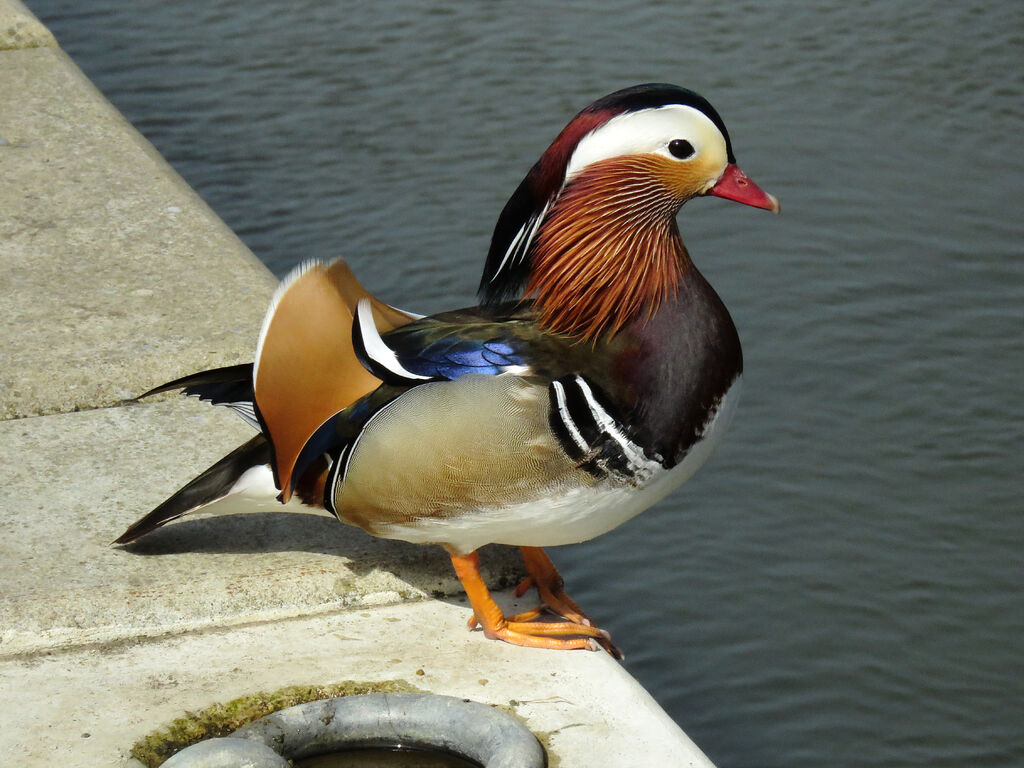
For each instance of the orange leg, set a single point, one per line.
(563, 635)
(548, 581)
(550, 586)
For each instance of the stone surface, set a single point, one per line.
(114, 275)
(89, 705)
(19, 29)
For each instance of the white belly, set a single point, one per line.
(571, 515)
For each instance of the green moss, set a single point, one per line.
(222, 719)
(544, 737)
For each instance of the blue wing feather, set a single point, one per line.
(495, 359)
(452, 354)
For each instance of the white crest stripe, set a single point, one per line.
(536, 225)
(648, 131)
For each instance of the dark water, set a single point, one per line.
(384, 758)
(842, 585)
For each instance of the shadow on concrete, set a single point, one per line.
(267, 532)
(254, 532)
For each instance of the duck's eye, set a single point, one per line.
(681, 148)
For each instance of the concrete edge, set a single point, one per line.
(20, 29)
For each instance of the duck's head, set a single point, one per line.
(598, 209)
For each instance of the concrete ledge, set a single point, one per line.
(114, 275)
(19, 29)
(87, 707)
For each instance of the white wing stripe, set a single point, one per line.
(375, 347)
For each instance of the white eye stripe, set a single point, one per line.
(649, 131)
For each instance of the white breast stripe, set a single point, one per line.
(639, 463)
(375, 347)
(560, 515)
(563, 413)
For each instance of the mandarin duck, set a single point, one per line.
(596, 375)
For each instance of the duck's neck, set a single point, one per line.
(607, 253)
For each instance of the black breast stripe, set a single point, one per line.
(591, 436)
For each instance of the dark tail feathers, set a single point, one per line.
(217, 385)
(213, 484)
